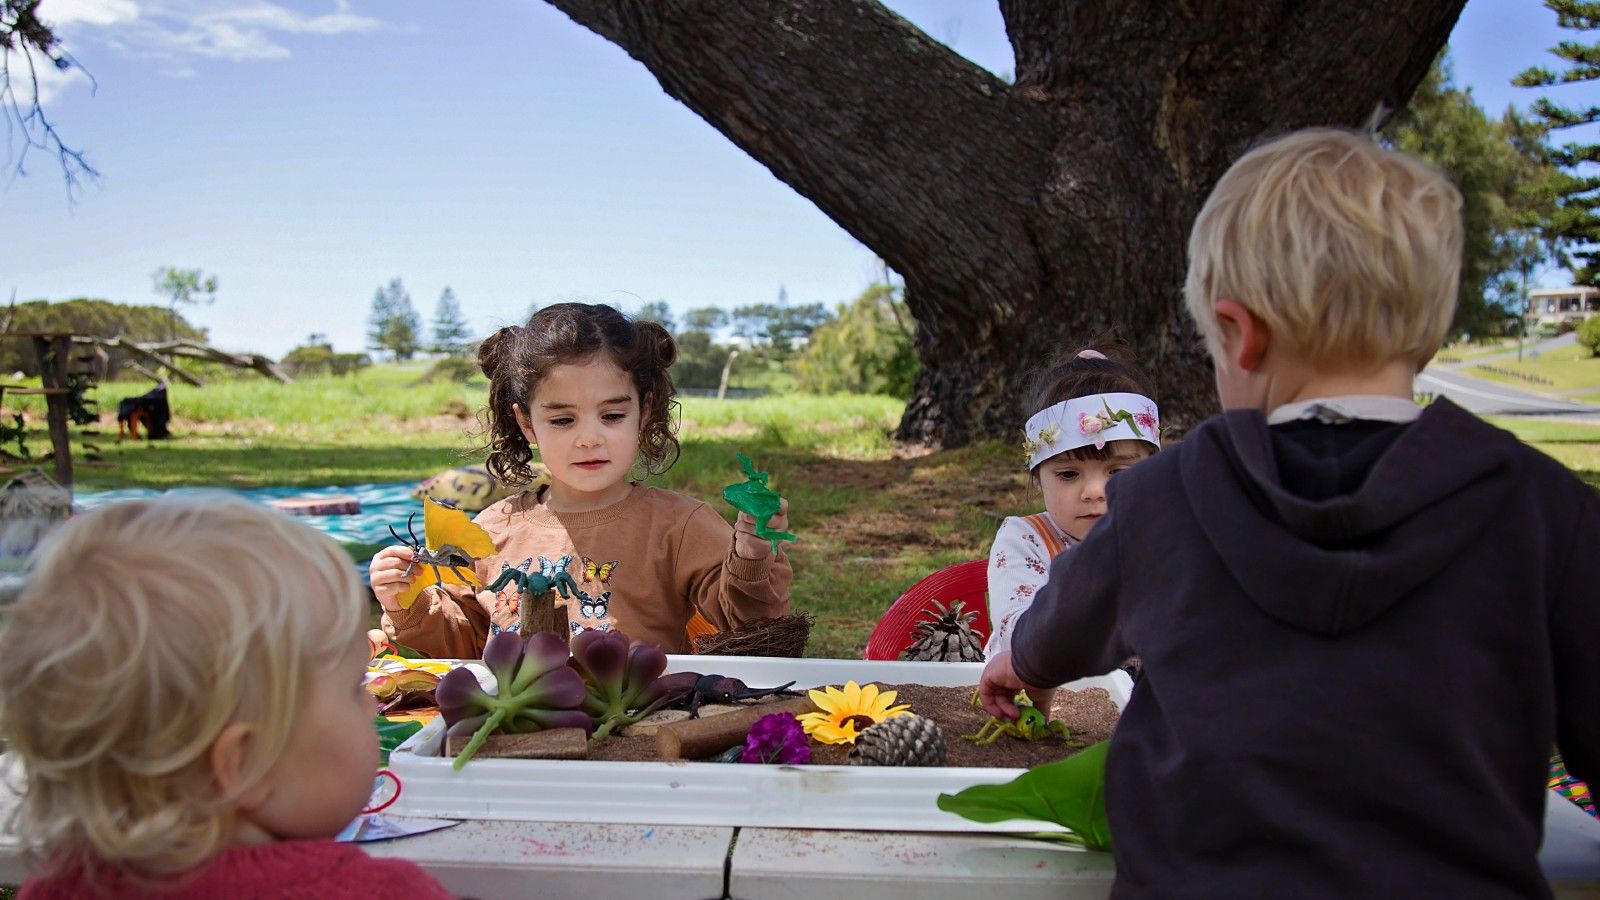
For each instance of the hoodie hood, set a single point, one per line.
(1352, 555)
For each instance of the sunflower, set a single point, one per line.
(845, 713)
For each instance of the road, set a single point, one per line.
(1534, 347)
(1492, 398)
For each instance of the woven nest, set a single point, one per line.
(30, 505)
(784, 636)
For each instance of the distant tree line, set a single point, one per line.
(101, 318)
(863, 346)
(395, 328)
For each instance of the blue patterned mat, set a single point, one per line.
(382, 505)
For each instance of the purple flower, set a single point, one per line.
(777, 738)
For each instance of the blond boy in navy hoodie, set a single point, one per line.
(1363, 624)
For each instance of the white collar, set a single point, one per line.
(1336, 410)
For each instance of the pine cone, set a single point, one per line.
(946, 636)
(901, 741)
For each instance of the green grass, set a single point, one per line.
(872, 521)
(1455, 353)
(831, 456)
(1566, 368)
(1574, 445)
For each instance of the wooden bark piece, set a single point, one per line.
(699, 738)
(553, 743)
(652, 723)
(546, 612)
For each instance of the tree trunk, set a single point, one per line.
(1027, 218)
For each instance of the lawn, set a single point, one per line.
(1574, 445)
(1567, 369)
(872, 520)
(1455, 353)
(872, 517)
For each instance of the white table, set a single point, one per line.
(490, 859)
(494, 859)
(779, 864)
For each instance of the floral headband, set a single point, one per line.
(1094, 419)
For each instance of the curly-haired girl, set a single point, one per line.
(589, 389)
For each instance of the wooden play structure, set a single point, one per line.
(71, 364)
(148, 358)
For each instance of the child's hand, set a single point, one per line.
(745, 542)
(998, 688)
(388, 573)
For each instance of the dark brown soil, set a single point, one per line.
(1090, 714)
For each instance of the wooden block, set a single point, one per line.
(553, 743)
(341, 505)
(699, 738)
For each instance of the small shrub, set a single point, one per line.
(319, 359)
(452, 369)
(866, 349)
(1589, 335)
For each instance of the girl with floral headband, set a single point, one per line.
(1093, 417)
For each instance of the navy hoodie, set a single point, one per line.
(1360, 644)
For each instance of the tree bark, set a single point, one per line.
(1032, 217)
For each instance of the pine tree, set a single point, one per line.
(1575, 221)
(393, 324)
(1503, 179)
(451, 336)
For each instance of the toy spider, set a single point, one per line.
(550, 577)
(447, 556)
(1031, 725)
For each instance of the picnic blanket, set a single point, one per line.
(382, 505)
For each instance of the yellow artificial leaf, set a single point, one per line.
(450, 537)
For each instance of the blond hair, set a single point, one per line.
(1349, 252)
(145, 628)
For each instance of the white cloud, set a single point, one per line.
(235, 30)
(243, 31)
(88, 12)
(179, 31)
(51, 82)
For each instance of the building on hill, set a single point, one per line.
(1550, 308)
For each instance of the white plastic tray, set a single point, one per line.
(692, 793)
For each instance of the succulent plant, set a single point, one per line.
(621, 678)
(534, 690)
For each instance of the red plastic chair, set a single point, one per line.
(967, 582)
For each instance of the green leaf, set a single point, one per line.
(404, 652)
(392, 734)
(1070, 793)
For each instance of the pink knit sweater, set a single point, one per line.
(313, 870)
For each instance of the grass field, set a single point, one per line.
(1574, 445)
(872, 518)
(871, 521)
(1567, 369)
(1454, 353)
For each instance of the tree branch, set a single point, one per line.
(23, 36)
(890, 133)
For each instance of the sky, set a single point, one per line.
(306, 152)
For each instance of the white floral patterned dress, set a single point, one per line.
(1019, 564)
